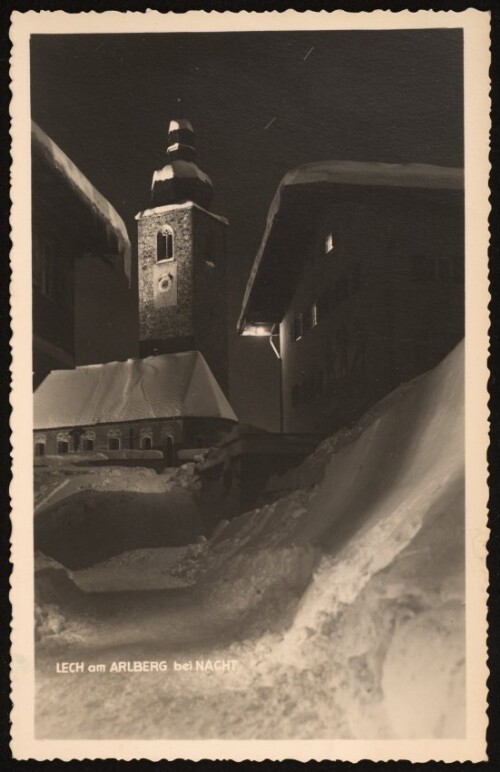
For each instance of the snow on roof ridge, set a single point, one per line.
(452, 175)
(188, 204)
(86, 190)
(129, 359)
(370, 173)
(163, 386)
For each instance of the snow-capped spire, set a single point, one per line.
(181, 179)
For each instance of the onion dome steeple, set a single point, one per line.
(181, 179)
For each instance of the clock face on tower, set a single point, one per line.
(165, 284)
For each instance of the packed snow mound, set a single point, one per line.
(341, 602)
(54, 483)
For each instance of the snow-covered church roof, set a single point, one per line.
(311, 186)
(90, 197)
(164, 386)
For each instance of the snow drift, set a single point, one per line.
(342, 601)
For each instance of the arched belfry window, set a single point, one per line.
(164, 244)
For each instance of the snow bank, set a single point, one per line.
(93, 525)
(342, 601)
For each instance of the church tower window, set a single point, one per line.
(164, 245)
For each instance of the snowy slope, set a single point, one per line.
(342, 602)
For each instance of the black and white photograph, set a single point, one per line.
(250, 272)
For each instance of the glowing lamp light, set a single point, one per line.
(261, 330)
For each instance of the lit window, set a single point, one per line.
(314, 315)
(329, 243)
(164, 245)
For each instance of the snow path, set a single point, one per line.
(341, 603)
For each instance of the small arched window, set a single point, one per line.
(164, 245)
(40, 448)
(88, 441)
(64, 443)
(114, 439)
(146, 439)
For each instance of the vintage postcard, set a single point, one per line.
(250, 333)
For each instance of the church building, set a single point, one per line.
(182, 261)
(174, 397)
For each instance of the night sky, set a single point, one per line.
(106, 100)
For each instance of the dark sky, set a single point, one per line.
(393, 96)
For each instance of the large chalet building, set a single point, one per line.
(81, 256)
(359, 282)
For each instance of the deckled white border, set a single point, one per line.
(476, 38)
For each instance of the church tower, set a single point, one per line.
(182, 260)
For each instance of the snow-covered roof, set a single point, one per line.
(164, 386)
(85, 191)
(332, 174)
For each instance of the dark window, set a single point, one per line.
(88, 444)
(168, 449)
(164, 245)
(50, 271)
(146, 443)
(299, 326)
(62, 446)
(113, 443)
(39, 448)
(323, 305)
(342, 288)
(355, 278)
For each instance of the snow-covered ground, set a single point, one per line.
(341, 603)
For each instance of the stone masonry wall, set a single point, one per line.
(157, 323)
(210, 293)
